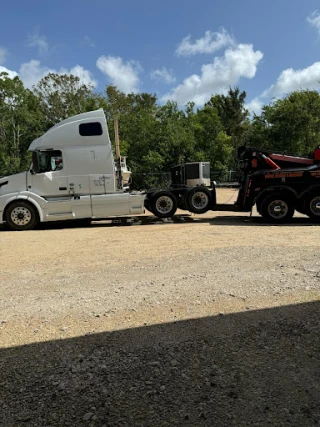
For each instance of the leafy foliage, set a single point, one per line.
(155, 137)
(290, 125)
(21, 121)
(62, 96)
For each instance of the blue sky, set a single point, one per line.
(179, 49)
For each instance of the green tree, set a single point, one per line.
(62, 96)
(232, 113)
(291, 124)
(294, 122)
(21, 121)
(176, 138)
(212, 142)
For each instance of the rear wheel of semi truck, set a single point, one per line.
(163, 204)
(198, 200)
(277, 208)
(312, 207)
(21, 215)
(147, 205)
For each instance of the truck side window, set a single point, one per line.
(50, 161)
(90, 129)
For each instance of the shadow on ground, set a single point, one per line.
(258, 220)
(258, 368)
(230, 220)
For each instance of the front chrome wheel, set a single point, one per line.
(21, 216)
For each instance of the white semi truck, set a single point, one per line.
(74, 176)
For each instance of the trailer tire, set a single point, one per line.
(312, 207)
(163, 204)
(198, 200)
(21, 216)
(277, 208)
(147, 205)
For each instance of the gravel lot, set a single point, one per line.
(201, 321)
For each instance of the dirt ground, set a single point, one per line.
(208, 320)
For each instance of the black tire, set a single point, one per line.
(182, 204)
(198, 200)
(147, 205)
(163, 204)
(312, 207)
(21, 216)
(300, 206)
(277, 208)
(258, 206)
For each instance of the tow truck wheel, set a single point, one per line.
(312, 207)
(21, 215)
(163, 204)
(258, 205)
(300, 206)
(198, 200)
(277, 208)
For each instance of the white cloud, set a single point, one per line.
(291, 80)
(31, 72)
(314, 20)
(88, 41)
(124, 75)
(36, 40)
(255, 106)
(163, 75)
(11, 74)
(84, 75)
(210, 43)
(3, 55)
(240, 61)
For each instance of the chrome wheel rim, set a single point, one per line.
(164, 204)
(200, 200)
(278, 209)
(21, 216)
(315, 206)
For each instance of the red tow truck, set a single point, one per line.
(278, 184)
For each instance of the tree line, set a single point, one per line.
(154, 136)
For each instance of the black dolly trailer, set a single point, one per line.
(277, 183)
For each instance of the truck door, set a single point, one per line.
(50, 179)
